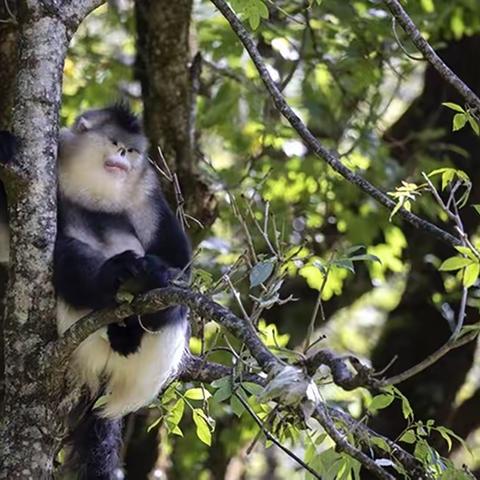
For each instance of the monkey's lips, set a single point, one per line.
(117, 165)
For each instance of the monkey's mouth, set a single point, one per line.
(117, 165)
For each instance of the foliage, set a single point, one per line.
(286, 218)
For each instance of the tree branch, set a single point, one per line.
(198, 369)
(429, 53)
(341, 373)
(451, 344)
(322, 415)
(329, 156)
(156, 300)
(73, 13)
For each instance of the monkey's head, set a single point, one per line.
(102, 159)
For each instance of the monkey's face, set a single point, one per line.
(104, 166)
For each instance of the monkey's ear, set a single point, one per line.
(82, 125)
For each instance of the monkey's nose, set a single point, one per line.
(122, 151)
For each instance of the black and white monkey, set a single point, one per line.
(114, 224)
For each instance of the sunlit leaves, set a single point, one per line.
(469, 264)
(454, 263)
(252, 10)
(448, 175)
(428, 6)
(380, 401)
(202, 427)
(459, 121)
(404, 195)
(462, 117)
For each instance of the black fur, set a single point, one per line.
(123, 116)
(94, 444)
(84, 278)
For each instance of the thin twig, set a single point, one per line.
(328, 156)
(404, 50)
(451, 344)
(322, 415)
(429, 53)
(276, 441)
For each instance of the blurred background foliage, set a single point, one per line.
(344, 68)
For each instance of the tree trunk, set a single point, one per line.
(8, 60)
(31, 427)
(169, 87)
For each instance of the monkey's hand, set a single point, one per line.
(117, 270)
(156, 273)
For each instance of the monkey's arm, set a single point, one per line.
(83, 278)
(168, 255)
(171, 244)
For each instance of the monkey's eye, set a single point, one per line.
(114, 142)
(131, 150)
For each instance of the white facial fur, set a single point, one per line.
(86, 174)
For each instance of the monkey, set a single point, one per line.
(114, 225)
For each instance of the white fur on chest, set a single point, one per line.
(133, 381)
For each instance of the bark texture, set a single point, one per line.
(169, 85)
(8, 61)
(31, 427)
(29, 322)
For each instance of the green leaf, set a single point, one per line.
(176, 431)
(474, 124)
(365, 257)
(470, 274)
(444, 432)
(176, 413)
(254, 21)
(354, 249)
(262, 9)
(222, 394)
(197, 393)
(202, 427)
(428, 6)
(454, 263)
(447, 177)
(222, 382)
(406, 408)
(466, 251)
(408, 437)
(236, 406)
(344, 263)
(381, 401)
(101, 401)
(453, 106)
(477, 208)
(252, 388)
(154, 424)
(459, 121)
(381, 443)
(260, 272)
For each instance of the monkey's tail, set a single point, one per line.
(94, 447)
